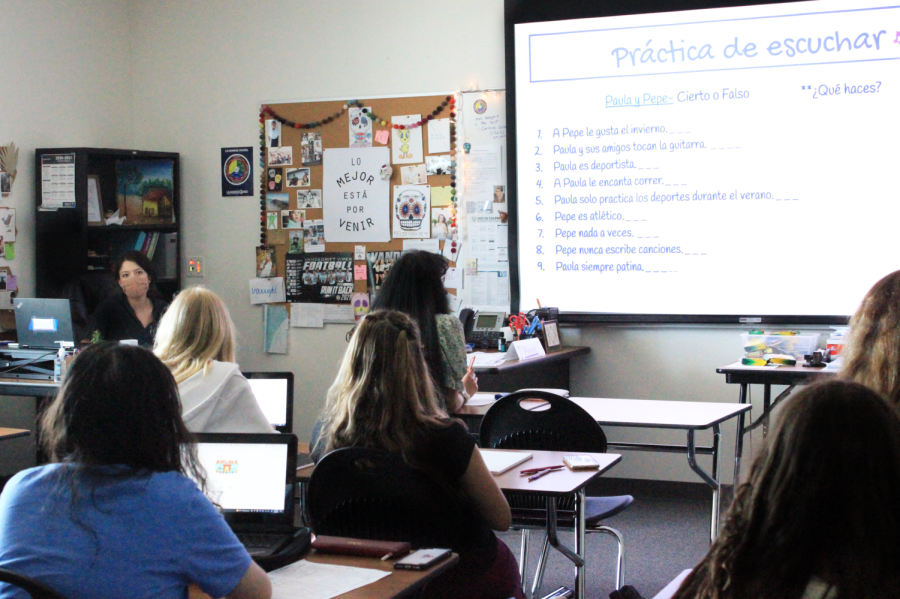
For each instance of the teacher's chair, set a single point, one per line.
(551, 423)
(37, 590)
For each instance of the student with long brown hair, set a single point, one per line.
(383, 398)
(872, 352)
(818, 517)
(118, 512)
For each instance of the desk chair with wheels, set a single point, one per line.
(368, 494)
(37, 590)
(561, 426)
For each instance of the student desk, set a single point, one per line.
(551, 370)
(558, 484)
(28, 387)
(401, 583)
(738, 374)
(688, 416)
(12, 433)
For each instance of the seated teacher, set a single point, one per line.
(132, 314)
(196, 341)
(414, 285)
(117, 514)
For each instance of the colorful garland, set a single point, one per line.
(266, 111)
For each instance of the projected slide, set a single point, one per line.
(738, 161)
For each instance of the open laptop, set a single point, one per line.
(40, 323)
(251, 477)
(275, 393)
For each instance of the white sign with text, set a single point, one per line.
(356, 205)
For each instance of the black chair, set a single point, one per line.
(367, 494)
(558, 425)
(37, 590)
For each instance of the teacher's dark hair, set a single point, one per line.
(414, 285)
(138, 258)
(119, 406)
(821, 502)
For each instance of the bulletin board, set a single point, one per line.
(304, 133)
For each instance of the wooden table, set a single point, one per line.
(738, 374)
(551, 370)
(401, 583)
(553, 486)
(689, 416)
(12, 433)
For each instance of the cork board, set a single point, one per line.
(332, 121)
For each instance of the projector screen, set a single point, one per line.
(703, 165)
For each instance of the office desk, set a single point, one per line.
(689, 416)
(559, 484)
(551, 370)
(28, 387)
(401, 583)
(12, 433)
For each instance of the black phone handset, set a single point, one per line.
(467, 317)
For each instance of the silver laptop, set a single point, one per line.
(41, 323)
(251, 477)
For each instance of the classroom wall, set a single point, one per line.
(65, 80)
(200, 70)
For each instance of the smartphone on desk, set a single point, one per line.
(422, 559)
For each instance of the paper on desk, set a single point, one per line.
(481, 399)
(319, 581)
(484, 359)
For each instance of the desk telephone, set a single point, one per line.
(482, 327)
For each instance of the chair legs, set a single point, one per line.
(542, 561)
(523, 554)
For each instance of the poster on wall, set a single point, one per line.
(412, 211)
(320, 278)
(406, 144)
(379, 265)
(356, 198)
(237, 172)
(58, 181)
(360, 127)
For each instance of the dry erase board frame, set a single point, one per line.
(336, 134)
(535, 11)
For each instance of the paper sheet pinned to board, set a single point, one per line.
(308, 316)
(489, 289)
(482, 172)
(320, 581)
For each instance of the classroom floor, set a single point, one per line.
(666, 531)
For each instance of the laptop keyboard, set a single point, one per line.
(263, 544)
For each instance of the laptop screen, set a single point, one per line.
(250, 477)
(274, 392)
(41, 323)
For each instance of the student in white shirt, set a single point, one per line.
(195, 340)
(818, 517)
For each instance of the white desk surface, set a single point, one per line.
(656, 413)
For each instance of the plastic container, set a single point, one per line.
(796, 346)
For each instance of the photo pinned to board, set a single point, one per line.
(310, 198)
(314, 236)
(297, 177)
(438, 165)
(360, 127)
(411, 213)
(272, 221)
(296, 242)
(265, 262)
(273, 133)
(276, 202)
(406, 144)
(414, 174)
(274, 178)
(292, 219)
(281, 156)
(311, 149)
(440, 223)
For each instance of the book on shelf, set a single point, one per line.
(139, 244)
(151, 245)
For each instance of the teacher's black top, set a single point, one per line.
(116, 320)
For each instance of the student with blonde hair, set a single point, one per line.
(384, 399)
(872, 353)
(196, 341)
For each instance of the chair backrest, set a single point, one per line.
(561, 426)
(37, 590)
(367, 494)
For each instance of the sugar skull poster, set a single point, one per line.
(412, 212)
(360, 127)
(406, 144)
(360, 303)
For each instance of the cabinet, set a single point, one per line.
(143, 186)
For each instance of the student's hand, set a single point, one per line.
(470, 381)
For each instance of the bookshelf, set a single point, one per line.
(71, 241)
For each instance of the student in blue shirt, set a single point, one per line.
(115, 514)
